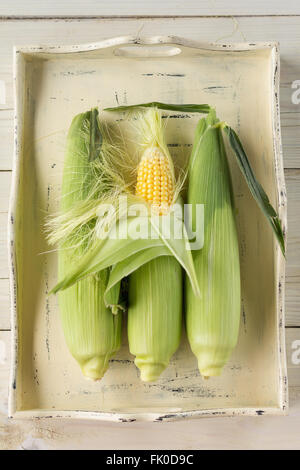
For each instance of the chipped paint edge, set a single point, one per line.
(282, 211)
(279, 265)
(154, 40)
(154, 417)
(12, 265)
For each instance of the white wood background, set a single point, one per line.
(63, 22)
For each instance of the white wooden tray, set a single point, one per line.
(52, 85)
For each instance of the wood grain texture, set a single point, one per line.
(102, 8)
(293, 251)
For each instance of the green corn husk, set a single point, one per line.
(155, 289)
(213, 320)
(92, 333)
(154, 264)
(155, 315)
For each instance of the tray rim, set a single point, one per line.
(281, 201)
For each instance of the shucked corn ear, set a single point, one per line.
(155, 180)
(92, 333)
(155, 289)
(213, 320)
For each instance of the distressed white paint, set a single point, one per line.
(262, 432)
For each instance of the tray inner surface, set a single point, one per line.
(58, 86)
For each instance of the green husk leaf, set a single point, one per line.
(111, 251)
(129, 265)
(183, 108)
(96, 138)
(255, 187)
(179, 250)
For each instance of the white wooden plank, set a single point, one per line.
(292, 295)
(146, 8)
(5, 304)
(284, 29)
(6, 139)
(293, 251)
(290, 131)
(3, 247)
(5, 179)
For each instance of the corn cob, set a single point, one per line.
(92, 333)
(155, 289)
(154, 180)
(213, 321)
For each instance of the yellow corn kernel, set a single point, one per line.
(154, 180)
